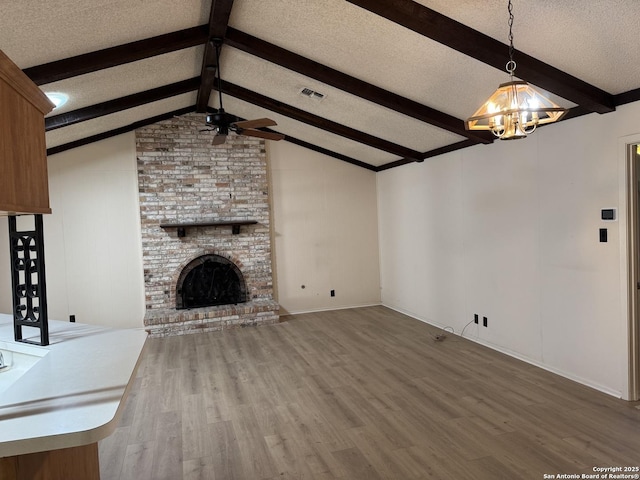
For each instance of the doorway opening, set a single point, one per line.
(633, 256)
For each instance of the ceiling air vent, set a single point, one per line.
(307, 92)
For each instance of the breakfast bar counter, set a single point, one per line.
(52, 416)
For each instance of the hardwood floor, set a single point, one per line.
(357, 394)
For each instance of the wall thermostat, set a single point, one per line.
(608, 214)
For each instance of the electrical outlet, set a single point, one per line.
(333, 293)
(475, 318)
(484, 321)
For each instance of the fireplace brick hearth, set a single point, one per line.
(182, 178)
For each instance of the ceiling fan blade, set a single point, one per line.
(219, 139)
(261, 134)
(257, 123)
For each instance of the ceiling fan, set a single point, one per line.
(222, 122)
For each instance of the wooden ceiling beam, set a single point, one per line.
(475, 44)
(131, 101)
(218, 23)
(628, 97)
(318, 122)
(118, 131)
(123, 103)
(114, 56)
(297, 63)
(431, 153)
(167, 116)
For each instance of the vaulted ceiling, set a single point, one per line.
(397, 77)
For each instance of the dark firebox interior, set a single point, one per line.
(210, 280)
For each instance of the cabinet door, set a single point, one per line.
(24, 186)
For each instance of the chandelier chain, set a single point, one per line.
(511, 65)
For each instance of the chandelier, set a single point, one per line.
(516, 108)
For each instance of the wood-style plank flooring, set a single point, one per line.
(357, 394)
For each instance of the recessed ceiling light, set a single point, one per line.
(58, 98)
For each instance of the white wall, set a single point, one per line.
(325, 221)
(324, 214)
(92, 239)
(510, 231)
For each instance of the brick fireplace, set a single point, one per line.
(183, 179)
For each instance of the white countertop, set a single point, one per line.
(74, 394)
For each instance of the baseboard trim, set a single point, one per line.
(328, 309)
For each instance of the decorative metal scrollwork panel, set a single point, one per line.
(28, 280)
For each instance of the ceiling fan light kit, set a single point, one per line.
(516, 108)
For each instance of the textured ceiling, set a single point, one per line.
(594, 41)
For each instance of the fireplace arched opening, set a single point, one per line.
(210, 280)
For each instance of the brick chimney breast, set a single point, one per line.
(182, 178)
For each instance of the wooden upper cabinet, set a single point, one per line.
(24, 186)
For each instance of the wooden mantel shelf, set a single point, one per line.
(234, 224)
